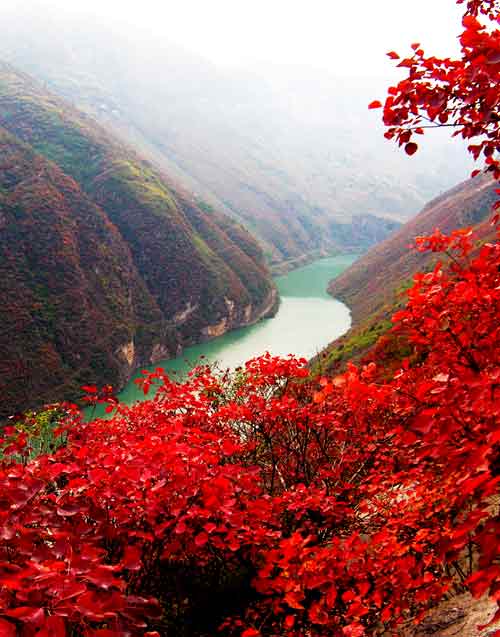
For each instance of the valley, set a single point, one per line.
(307, 319)
(249, 351)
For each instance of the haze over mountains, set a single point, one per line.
(104, 264)
(293, 154)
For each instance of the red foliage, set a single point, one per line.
(349, 503)
(462, 93)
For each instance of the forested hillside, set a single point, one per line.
(290, 153)
(91, 306)
(376, 284)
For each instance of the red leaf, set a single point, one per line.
(469, 22)
(354, 630)
(27, 614)
(201, 539)
(294, 600)
(53, 627)
(411, 148)
(89, 389)
(289, 621)
(132, 559)
(7, 629)
(375, 104)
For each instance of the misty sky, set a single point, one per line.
(348, 37)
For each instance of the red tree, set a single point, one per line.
(461, 93)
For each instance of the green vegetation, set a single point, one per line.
(41, 430)
(145, 185)
(359, 341)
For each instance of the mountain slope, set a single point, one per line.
(373, 287)
(296, 158)
(168, 274)
(71, 296)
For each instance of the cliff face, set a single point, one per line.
(104, 264)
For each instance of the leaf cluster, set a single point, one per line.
(331, 506)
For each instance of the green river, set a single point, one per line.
(307, 320)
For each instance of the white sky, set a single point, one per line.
(349, 37)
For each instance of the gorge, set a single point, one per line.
(307, 319)
(184, 450)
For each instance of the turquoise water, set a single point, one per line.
(307, 320)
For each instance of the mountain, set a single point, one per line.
(373, 286)
(293, 154)
(104, 264)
